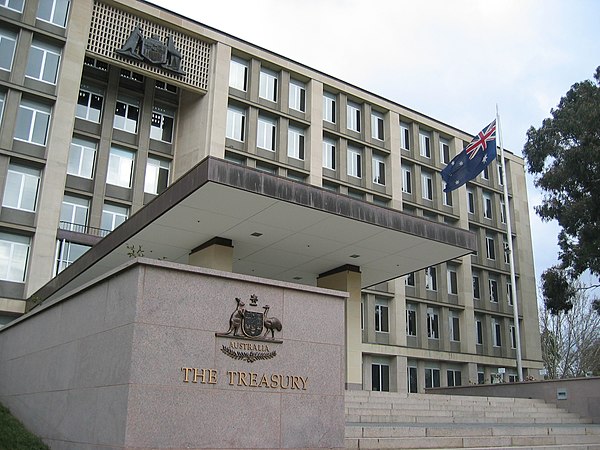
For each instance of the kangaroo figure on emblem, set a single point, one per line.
(235, 321)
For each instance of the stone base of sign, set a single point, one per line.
(133, 361)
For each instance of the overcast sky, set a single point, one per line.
(452, 60)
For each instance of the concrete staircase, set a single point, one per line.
(383, 420)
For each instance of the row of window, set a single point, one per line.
(51, 11)
(380, 377)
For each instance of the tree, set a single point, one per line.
(564, 157)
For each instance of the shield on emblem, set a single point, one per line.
(154, 51)
(253, 323)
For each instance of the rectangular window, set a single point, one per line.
(96, 63)
(424, 144)
(15, 5)
(53, 11)
(448, 198)
(509, 297)
(82, 155)
(470, 201)
(33, 120)
(329, 153)
(452, 282)
(164, 86)
(127, 114)
(431, 279)
(406, 180)
(236, 124)
(14, 253)
(329, 108)
(42, 63)
(404, 136)
(411, 320)
(266, 133)
(89, 104)
(120, 167)
(2, 94)
(513, 337)
(410, 280)
(238, 74)
(378, 170)
(490, 247)
(412, 380)
(161, 126)
(433, 327)
(480, 377)
(505, 250)
(487, 206)
(485, 175)
(427, 186)
(268, 85)
(432, 377)
(8, 41)
(502, 211)
(296, 143)
(21, 189)
(353, 117)
(479, 332)
(381, 318)
(297, 96)
(380, 377)
(354, 162)
(113, 216)
(66, 254)
(496, 333)
(493, 290)
(74, 213)
(377, 125)
(500, 174)
(476, 292)
(157, 175)
(454, 377)
(454, 326)
(444, 151)
(130, 75)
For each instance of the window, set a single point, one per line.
(8, 40)
(404, 136)
(120, 167)
(296, 143)
(509, 296)
(447, 198)
(502, 211)
(476, 292)
(506, 250)
(432, 377)
(496, 333)
(490, 247)
(297, 96)
(67, 253)
(353, 117)
(74, 213)
(406, 180)
(21, 189)
(53, 11)
(268, 85)
(101, 65)
(487, 206)
(89, 104)
(16, 5)
(14, 253)
(329, 110)
(444, 151)
(82, 155)
(411, 319)
(133, 76)
(493, 285)
(478, 332)
(377, 125)
(381, 317)
(161, 126)
(127, 114)
(157, 175)
(380, 377)
(454, 326)
(424, 144)
(410, 279)
(412, 380)
(236, 124)
(480, 377)
(500, 174)
(2, 94)
(427, 186)
(33, 120)
(433, 329)
(165, 86)
(238, 74)
(378, 170)
(470, 201)
(266, 133)
(454, 377)
(452, 282)
(431, 279)
(113, 216)
(513, 336)
(329, 153)
(485, 175)
(355, 162)
(42, 63)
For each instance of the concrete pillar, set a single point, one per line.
(216, 253)
(348, 278)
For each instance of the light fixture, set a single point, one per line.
(256, 234)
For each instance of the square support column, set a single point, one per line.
(216, 253)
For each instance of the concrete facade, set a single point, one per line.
(132, 360)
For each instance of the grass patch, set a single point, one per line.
(14, 436)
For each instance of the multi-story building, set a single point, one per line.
(107, 103)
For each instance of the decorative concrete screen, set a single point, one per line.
(160, 355)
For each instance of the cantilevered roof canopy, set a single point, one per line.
(280, 229)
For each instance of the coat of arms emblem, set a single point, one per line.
(249, 322)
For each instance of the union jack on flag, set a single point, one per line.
(480, 141)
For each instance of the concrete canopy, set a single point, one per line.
(280, 229)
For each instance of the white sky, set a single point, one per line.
(452, 60)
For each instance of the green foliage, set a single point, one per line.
(14, 436)
(558, 291)
(564, 156)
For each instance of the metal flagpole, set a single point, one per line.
(509, 249)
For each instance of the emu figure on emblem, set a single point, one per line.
(235, 321)
(271, 323)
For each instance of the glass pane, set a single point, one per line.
(7, 50)
(40, 128)
(51, 67)
(34, 63)
(24, 118)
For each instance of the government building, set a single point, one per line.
(202, 149)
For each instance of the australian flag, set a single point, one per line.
(472, 160)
